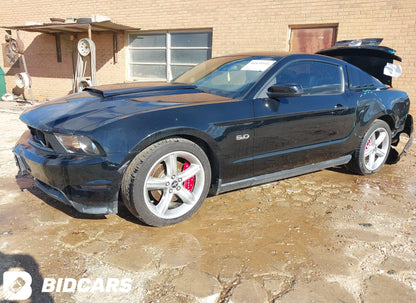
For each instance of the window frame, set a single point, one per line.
(262, 93)
(168, 48)
(353, 71)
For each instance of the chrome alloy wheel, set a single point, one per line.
(174, 184)
(376, 149)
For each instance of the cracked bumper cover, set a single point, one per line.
(408, 129)
(73, 181)
(394, 156)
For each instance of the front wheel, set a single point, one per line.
(373, 150)
(167, 182)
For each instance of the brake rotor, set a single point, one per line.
(159, 172)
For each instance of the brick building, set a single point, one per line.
(174, 35)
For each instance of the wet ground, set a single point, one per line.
(329, 236)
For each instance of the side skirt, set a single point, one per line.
(229, 186)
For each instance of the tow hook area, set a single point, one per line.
(394, 155)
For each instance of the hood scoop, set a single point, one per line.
(125, 89)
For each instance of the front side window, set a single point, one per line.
(315, 78)
(164, 56)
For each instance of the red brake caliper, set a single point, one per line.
(368, 144)
(188, 184)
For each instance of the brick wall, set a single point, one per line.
(238, 26)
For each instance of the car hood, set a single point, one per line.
(370, 58)
(101, 105)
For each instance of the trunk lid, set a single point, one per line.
(367, 55)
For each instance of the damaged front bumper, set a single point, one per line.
(90, 185)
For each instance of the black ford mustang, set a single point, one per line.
(228, 123)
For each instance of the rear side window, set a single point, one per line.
(359, 79)
(316, 78)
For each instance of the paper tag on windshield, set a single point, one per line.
(258, 65)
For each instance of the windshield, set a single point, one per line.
(230, 77)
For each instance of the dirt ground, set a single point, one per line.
(329, 236)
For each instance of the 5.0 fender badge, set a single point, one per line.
(242, 137)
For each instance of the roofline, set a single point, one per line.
(261, 54)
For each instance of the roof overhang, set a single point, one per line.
(74, 28)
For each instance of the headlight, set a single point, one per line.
(76, 144)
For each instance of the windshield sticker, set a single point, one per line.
(258, 65)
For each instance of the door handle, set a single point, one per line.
(339, 108)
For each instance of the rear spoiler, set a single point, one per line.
(367, 55)
(360, 42)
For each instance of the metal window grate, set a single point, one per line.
(165, 55)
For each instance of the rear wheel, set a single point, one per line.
(373, 150)
(167, 182)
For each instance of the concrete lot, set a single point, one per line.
(330, 236)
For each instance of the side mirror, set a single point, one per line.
(284, 90)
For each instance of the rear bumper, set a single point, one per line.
(408, 129)
(89, 184)
(395, 156)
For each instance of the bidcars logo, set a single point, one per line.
(86, 285)
(17, 285)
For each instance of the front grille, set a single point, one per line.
(39, 137)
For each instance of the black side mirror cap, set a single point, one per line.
(284, 90)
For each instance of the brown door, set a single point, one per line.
(312, 39)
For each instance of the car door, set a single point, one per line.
(300, 130)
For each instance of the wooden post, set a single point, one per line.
(115, 48)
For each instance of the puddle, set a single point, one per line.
(329, 229)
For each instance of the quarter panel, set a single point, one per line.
(375, 104)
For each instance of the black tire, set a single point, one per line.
(373, 150)
(157, 186)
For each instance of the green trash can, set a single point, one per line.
(2, 83)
